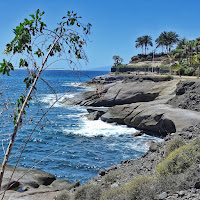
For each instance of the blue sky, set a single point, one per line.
(115, 24)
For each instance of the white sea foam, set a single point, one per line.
(50, 99)
(99, 128)
(143, 142)
(78, 85)
(73, 84)
(78, 108)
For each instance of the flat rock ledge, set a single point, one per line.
(154, 104)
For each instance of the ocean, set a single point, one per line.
(85, 147)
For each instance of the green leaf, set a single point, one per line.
(33, 16)
(5, 67)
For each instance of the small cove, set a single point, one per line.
(86, 146)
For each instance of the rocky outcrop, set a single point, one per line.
(143, 103)
(33, 185)
(95, 113)
(187, 95)
(27, 178)
(115, 77)
(122, 92)
(161, 119)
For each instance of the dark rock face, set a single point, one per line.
(187, 95)
(118, 94)
(115, 77)
(32, 178)
(95, 113)
(160, 119)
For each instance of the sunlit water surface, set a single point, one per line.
(85, 146)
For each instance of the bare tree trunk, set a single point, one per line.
(9, 148)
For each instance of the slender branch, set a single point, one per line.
(21, 113)
(8, 185)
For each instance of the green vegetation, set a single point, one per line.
(89, 192)
(180, 159)
(111, 178)
(114, 194)
(144, 41)
(164, 67)
(173, 145)
(32, 46)
(136, 189)
(167, 40)
(135, 66)
(117, 61)
(184, 60)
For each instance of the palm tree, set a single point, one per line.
(147, 40)
(189, 48)
(172, 38)
(178, 66)
(182, 42)
(167, 39)
(172, 59)
(161, 40)
(139, 43)
(144, 41)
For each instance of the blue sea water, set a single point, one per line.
(85, 146)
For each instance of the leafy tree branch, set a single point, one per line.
(35, 43)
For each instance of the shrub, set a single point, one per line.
(189, 71)
(180, 159)
(173, 145)
(111, 178)
(89, 192)
(149, 57)
(139, 188)
(164, 67)
(114, 194)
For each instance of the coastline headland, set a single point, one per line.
(160, 105)
(149, 103)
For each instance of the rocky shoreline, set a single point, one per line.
(151, 103)
(154, 104)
